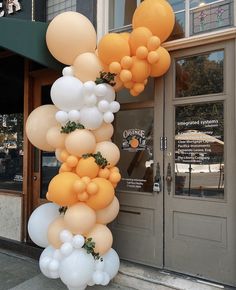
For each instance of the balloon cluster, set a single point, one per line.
(73, 226)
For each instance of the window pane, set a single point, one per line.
(199, 150)
(200, 75)
(54, 8)
(177, 5)
(134, 137)
(121, 12)
(179, 28)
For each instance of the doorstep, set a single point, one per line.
(142, 277)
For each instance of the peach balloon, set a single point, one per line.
(109, 213)
(139, 37)
(112, 47)
(157, 16)
(37, 125)
(140, 70)
(87, 167)
(60, 189)
(58, 154)
(87, 67)
(104, 132)
(79, 142)
(163, 64)
(102, 237)
(54, 230)
(70, 34)
(80, 218)
(104, 195)
(110, 151)
(55, 138)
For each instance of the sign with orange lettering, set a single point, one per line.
(134, 140)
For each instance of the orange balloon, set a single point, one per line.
(139, 37)
(87, 167)
(138, 87)
(102, 237)
(104, 173)
(54, 230)
(87, 67)
(109, 213)
(163, 64)
(119, 84)
(60, 189)
(80, 218)
(140, 70)
(72, 161)
(125, 75)
(110, 151)
(104, 195)
(142, 52)
(125, 35)
(126, 62)
(157, 16)
(70, 34)
(104, 132)
(112, 47)
(115, 67)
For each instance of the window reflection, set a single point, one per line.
(199, 150)
(200, 75)
(134, 137)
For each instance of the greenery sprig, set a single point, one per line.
(70, 127)
(106, 78)
(63, 209)
(89, 246)
(99, 159)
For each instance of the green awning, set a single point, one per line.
(27, 38)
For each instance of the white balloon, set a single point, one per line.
(39, 222)
(57, 255)
(45, 261)
(53, 266)
(108, 117)
(110, 93)
(103, 106)
(91, 118)
(78, 241)
(106, 279)
(114, 107)
(74, 115)
(98, 277)
(101, 90)
(61, 117)
(65, 236)
(99, 265)
(68, 71)
(77, 288)
(91, 283)
(76, 270)
(67, 93)
(66, 249)
(90, 100)
(89, 88)
(53, 275)
(112, 263)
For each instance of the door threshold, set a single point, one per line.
(143, 277)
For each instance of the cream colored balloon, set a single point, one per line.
(54, 230)
(108, 214)
(70, 34)
(87, 67)
(80, 218)
(55, 138)
(79, 142)
(102, 237)
(104, 132)
(37, 125)
(110, 151)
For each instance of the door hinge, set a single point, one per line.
(163, 143)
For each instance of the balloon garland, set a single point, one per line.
(73, 226)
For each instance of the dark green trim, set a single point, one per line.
(27, 39)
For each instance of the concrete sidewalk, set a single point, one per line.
(22, 273)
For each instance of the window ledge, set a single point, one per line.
(198, 40)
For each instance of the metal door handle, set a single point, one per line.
(157, 180)
(35, 178)
(168, 178)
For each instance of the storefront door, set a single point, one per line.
(186, 223)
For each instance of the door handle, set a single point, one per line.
(157, 180)
(168, 178)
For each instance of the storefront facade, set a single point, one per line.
(177, 142)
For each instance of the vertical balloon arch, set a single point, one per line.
(72, 227)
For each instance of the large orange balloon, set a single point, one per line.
(140, 70)
(87, 67)
(104, 195)
(70, 34)
(80, 218)
(60, 189)
(157, 16)
(139, 37)
(112, 47)
(102, 237)
(163, 64)
(54, 230)
(109, 213)
(110, 151)
(37, 125)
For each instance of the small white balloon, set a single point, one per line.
(90, 283)
(62, 117)
(45, 261)
(53, 265)
(91, 118)
(78, 242)
(103, 106)
(108, 117)
(77, 288)
(114, 107)
(106, 279)
(57, 255)
(68, 71)
(53, 274)
(65, 236)
(99, 265)
(110, 93)
(90, 100)
(98, 277)
(101, 90)
(112, 263)
(66, 249)
(74, 115)
(89, 88)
